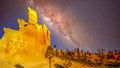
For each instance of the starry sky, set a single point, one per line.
(85, 24)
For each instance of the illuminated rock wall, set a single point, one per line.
(30, 38)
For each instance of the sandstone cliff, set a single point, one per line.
(31, 39)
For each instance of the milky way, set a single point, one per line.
(69, 25)
(60, 22)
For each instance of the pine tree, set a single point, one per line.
(67, 59)
(78, 53)
(49, 54)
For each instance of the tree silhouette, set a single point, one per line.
(67, 59)
(55, 50)
(49, 54)
(78, 53)
(54, 46)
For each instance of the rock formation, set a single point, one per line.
(30, 38)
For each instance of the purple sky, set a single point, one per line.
(98, 20)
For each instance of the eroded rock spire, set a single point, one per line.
(30, 40)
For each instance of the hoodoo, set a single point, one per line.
(28, 42)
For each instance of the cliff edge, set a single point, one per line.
(27, 43)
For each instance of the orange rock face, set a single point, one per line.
(30, 38)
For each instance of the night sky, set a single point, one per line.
(86, 24)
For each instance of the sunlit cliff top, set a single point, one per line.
(31, 39)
